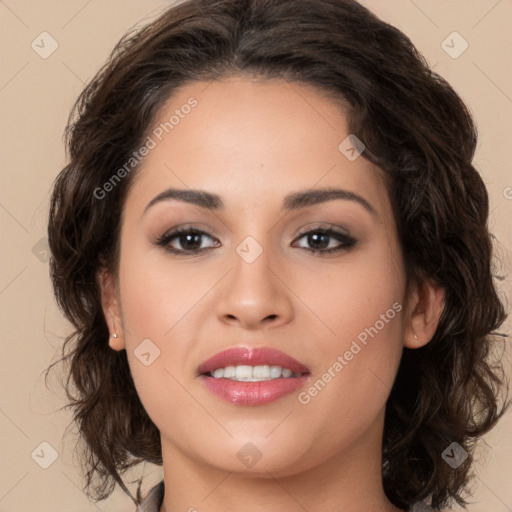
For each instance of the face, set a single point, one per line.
(269, 267)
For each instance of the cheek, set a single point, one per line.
(366, 290)
(363, 308)
(157, 308)
(157, 294)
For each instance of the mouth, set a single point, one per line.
(257, 376)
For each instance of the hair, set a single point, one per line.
(415, 128)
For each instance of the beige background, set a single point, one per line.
(35, 97)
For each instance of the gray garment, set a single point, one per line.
(153, 501)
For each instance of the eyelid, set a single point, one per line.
(191, 226)
(323, 225)
(179, 230)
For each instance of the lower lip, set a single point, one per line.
(252, 393)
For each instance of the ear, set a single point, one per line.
(425, 304)
(111, 309)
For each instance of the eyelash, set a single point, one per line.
(347, 242)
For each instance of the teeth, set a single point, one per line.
(261, 372)
(252, 373)
(218, 373)
(229, 372)
(275, 372)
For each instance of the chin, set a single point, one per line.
(260, 457)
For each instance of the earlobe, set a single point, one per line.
(116, 342)
(111, 310)
(425, 305)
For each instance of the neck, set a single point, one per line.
(350, 481)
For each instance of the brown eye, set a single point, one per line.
(323, 240)
(184, 241)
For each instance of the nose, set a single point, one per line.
(254, 295)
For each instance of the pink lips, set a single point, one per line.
(252, 393)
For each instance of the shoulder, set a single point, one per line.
(153, 500)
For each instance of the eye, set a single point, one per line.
(327, 240)
(188, 240)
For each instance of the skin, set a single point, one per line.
(252, 142)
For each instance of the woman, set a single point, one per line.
(272, 244)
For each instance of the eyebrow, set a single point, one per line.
(292, 201)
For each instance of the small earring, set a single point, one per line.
(114, 335)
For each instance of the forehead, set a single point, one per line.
(251, 139)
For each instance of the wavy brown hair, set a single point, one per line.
(415, 128)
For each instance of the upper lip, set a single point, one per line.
(253, 356)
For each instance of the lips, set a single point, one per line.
(252, 393)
